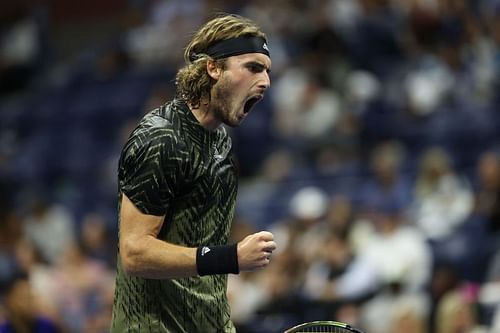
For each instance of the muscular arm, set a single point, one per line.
(143, 254)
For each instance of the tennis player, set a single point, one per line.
(177, 189)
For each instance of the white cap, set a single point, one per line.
(308, 203)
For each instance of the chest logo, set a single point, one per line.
(217, 154)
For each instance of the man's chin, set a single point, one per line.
(235, 121)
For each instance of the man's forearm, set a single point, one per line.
(153, 258)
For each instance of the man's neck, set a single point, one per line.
(206, 118)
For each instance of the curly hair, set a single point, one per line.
(192, 81)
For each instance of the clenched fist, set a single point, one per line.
(255, 250)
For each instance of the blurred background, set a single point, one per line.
(374, 158)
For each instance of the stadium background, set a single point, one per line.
(374, 158)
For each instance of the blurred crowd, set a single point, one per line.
(374, 159)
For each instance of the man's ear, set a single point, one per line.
(213, 70)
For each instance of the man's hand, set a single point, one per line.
(255, 250)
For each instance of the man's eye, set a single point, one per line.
(255, 68)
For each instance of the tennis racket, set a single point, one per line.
(323, 326)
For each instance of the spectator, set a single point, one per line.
(20, 46)
(487, 186)
(442, 198)
(96, 241)
(22, 312)
(387, 184)
(309, 111)
(391, 252)
(50, 228)
(402, 311)
(456, 313)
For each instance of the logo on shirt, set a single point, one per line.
(265, 47)
(205, 250)
(217, 154)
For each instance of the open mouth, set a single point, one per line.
(251, 102)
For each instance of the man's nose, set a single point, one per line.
(266, 81)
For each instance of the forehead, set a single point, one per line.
(252, 57)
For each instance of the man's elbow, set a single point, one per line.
(130, 255)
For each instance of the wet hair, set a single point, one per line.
(192, 81)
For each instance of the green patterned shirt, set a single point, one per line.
(173, 166)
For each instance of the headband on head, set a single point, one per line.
(236, 46)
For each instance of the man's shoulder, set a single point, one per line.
(157, 136)
(159, 125)
(163, 117)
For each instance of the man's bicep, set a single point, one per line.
(134, 223)
(143, 254)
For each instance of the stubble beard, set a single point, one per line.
(221, 103)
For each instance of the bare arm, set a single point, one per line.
(143, 254)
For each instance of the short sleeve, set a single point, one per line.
(149, 169)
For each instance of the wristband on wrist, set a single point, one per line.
(218, 259)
